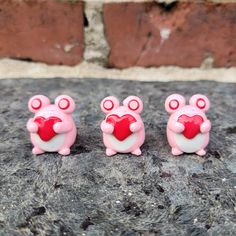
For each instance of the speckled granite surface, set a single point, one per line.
(88, 193)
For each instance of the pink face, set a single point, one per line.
(132, 106)
(62, 109)
(198, 105)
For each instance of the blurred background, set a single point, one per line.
(138, 40)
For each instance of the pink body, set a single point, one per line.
(135, 132)
(63, 131)
(175, 105)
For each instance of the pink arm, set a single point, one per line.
(106, 127)
(62, 127)
(175, 126)
(205, 126)
(32, 126)
(136, 126)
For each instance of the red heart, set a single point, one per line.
(121, 125)
(45, 130)
(191, 124)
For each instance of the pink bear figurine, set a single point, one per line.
(188, 127)
(52, 129)
(123, 128)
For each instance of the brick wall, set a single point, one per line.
(121, 34)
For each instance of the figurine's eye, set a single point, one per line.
(65, 103)
(109, 104)
(37, 102)
(134, 104)
(174, 102)
(200, 101)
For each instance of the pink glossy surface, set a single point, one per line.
(132, 106)
(175, 105)
(62, 109)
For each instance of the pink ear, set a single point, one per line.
(174, 102)
(65, 103)
(200, 101)
(134, 104)
(37, 102)
(109, 104)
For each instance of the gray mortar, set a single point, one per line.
(88, 193)
(96, 46)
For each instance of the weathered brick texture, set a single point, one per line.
(47, 31)
(182, 34)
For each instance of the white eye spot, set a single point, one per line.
(201, 103)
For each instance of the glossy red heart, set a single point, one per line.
(121, 125)
(45, 130)
(192, 125)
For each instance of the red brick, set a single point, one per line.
(41, 30)
(197, 31)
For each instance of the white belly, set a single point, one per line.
(189, 145)
(124, 145)
(52, 145)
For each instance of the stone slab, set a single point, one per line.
(88, 193)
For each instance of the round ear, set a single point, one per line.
(134, 104)
(200, 101)
(65, 103)
(109, 104)
(174, 102)
(37, 102)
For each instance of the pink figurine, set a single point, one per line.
(188, 127)
(52, 129)
(123, 128)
